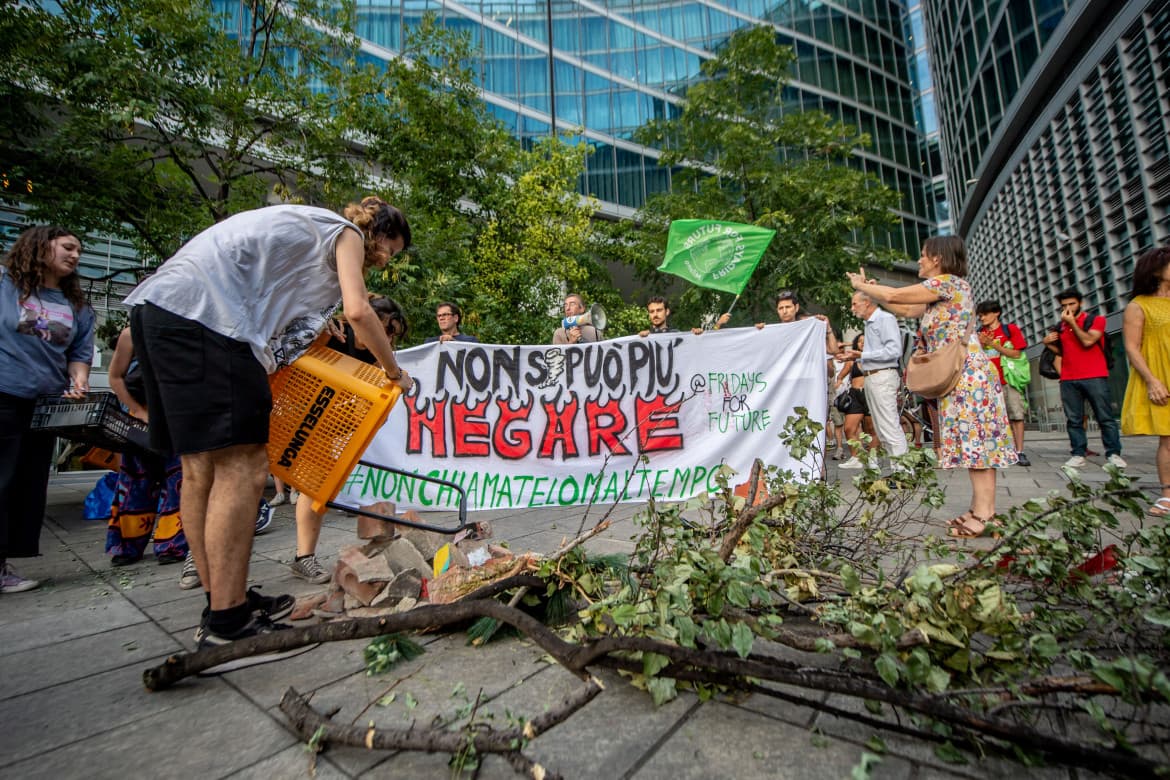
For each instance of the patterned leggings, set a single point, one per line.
(145, 499)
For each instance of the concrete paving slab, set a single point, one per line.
(611, 735)
(199, 738)
(51, 719)
(322, 666)
(292, 762)
(97, 615)
(720, 740)
(76, 659)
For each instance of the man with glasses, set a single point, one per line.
(449, 316)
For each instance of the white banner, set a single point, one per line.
(620, 420)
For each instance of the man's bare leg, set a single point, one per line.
(221, 490)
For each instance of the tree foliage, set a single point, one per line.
(739, 153)
(151, 120)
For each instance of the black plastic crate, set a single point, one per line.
(98, 420)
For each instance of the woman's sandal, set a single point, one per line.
(960, 527)
(1161, 507)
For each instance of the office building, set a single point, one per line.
(617, 64)
(1056, 144)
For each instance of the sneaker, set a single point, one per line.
(263, 517)
(1022, 460)
(268, 608)
(294, 495)
(1116, 461)
(279, 499)
(852, 463)
(189, 576)
(271, 607)
(309, 568)
(256, 627)
(1076, 461)
(11, 582)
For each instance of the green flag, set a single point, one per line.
(713, 254)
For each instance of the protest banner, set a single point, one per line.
(615, 421)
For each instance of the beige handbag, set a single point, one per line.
(934, 374)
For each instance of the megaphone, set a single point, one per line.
(595, 317)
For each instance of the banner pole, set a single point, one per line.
(732, 306)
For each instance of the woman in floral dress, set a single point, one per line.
(973, 421)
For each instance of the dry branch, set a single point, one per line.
(308, 723)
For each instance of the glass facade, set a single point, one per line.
(1053, 118)
(618, 63)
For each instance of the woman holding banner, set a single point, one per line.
(972, 416)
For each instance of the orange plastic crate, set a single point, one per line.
(326, 408)
(98, 458)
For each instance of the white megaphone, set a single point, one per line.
(595, 317)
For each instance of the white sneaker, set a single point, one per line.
(852, 463)
(1116, 460)
(294, 495)
(1075, 462)
(278, 499)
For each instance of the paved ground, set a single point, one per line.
(72, 655)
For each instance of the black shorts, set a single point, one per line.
(204, 391)
(857, 403)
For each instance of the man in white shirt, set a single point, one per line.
(879, 361)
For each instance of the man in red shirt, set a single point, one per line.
(1084, 374)
(994, 340)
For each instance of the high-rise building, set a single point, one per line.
(615, 64)
(1056, 145)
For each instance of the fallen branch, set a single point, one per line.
(307, 723)
(720, 668)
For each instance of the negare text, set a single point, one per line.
(561, 403)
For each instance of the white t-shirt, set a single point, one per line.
(267, 277)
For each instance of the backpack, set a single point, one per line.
(1102, 342)
(1016, 371)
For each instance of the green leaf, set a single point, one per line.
(887, 668)
(861, 771)
(653, 663)
(850, 579)
(949, 753)
(741, 639)
(738, 594)
(662, 689)
(876, 744)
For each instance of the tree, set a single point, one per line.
(739, 155)
(156, 119)
(152, 120)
